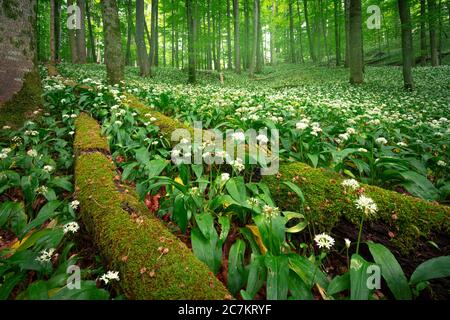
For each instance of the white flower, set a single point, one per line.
(184, 141)
(71, 227)
(301, 125)
(152, 119)
(402, 144)
(350, 131)
(381, 140)
(194, 191)
(32, 153)
(347, 243)
(238, 137)
(6, 127)
(362, 150)
(350, 183)
(42, 190)
(6, 150)
(119, 123)
(74, 204)
(110, 275)
(45, 256)
(366, 204)
(238, 165)
(262, 139)
(71, 133)
(441, 163)
(344, 136)
(224, 177)
(3, 155)
(323, 240)
(270, 212)
(73, 116)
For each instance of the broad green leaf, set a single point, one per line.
(236, 269)
(236, 189)
(391, 271)
(431, 269)
(298, 289)
(256, 277)
(155, 167)
(359, 289)
(339, 284)
(180, 213)
(277, 277)
(307, 271)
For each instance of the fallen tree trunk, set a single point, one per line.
(152, 262)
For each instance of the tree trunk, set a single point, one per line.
(57, 30)
(248, 51)
(423, 33)
(142, 56)
(300, 40)
(230, 55)
(191, 39)
(324, 30)
(255, 39)
(291, 34)
(129, 32)
(81, 34)
(337, 34)
(259, 50)
(347, 32)
(308, 30)
(432, 17)
(164, 39)
(73, 38)
(356, 62)
(219, 36)
(154, 35)
(52, 32)
(20, 86)
(91, 32)
(237, 40)
(407, 48)
(113, 41)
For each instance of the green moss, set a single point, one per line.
(129, 237)
(407, 217)
(21, 106)
(88, 136)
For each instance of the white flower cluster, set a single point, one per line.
(72, 227)
(366, 204)
(74, 204)
(351, 184)
(109, 276)
(270, 212)
(46, 255)
(324, 240)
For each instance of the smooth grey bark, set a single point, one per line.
(52, 32)
(254, 50)
(129, 32)
(356, 62)
(73, 40)
(432, 18)
(191, 40)
(291, 34)
(229, 49)
(423, 33)
(407, 47)
(142, 56)
(347, 32)
(81, 34)
(312, 52)
(237, 40)
(300, 40)
(337, 33)
(154, 33)
(90, 31)
(113, 42)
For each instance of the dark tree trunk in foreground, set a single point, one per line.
(423, 33)
(302, 59)
(81, 34)
(407, 48)
(432, 18)
(113, 41)
(191, 39)
(52, 32)
(248, 51)
(142, 56)
(57, 30)
(237, 40)
(312, 52)
(356, 62)
(20, 88)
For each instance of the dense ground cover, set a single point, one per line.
(376, 133)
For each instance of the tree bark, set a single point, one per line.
(308, 30)
(254, 50)
(113, 41)
(248, 51)
(81, 34)
(154, 34)
(52, 32)
(219, 36)
(300, 39)
(291, 34)
(237, 40)
(356, 62)
(347, 32)
(432, 17)
(229, 49)
(129, 32)
(73, 39)
(337, 34)
(91, 32)
(423, 33)
(259, 50)
(191, 40)
(142, 56)
(407, 49)
(20, 86)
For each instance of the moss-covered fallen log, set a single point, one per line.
(152, 262)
